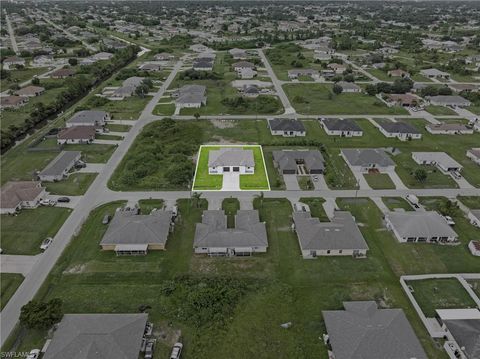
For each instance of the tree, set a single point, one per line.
(371, 90)
(196, 199)
(196, 115)
(35, 81)
(420, 175)
(41, 315)
(337, 89)
(72, 61)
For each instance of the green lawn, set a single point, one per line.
(474, 109)
(146, 205)
(118, 128)
(19, 76)
(108, 137)
(305, 183)
(472, 202)
(75, 185)
(164, 109)
(316, 207)
(230, 206)
(394, 203)
(9, 283)
(379, 181)
(338, 174)
(23, 233)
(126, 109)
(205, 181)
(440, 110)
(445, 293)
(318, 99)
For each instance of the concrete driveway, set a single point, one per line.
(73, 200)
(291, 182)
(397, 180)
(320, 183)
(17, 264)
(231, 181)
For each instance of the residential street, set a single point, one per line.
(13, 41)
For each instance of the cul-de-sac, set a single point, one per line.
(240, 179)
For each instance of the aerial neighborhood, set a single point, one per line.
(240, 179)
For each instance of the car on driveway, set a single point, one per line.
(48, 202)
(63, 200)
(449, 220)
(315, 178)
(176, 351)
(34, 354)
(46, 243)
(149, 349)
(106, 219)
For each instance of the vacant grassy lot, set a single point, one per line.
(445, 293)
(394, 203)
(75, 185)
(471, 202)
(21, 75)
(440, 110)
(9, 283)
(118, 128)
(256, 181)
(23, 233)
(166, 109)
(379, 181)
(319, 99)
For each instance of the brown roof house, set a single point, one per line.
(17, 195)
(62, 73)
(398, 73)
(12, 101)
(76, 134)
(30, 91)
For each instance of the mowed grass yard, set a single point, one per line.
(284, 287)
(319, 99)
(256, 181)
(75, 185)
(9, 282)
(23, 233)
(444, 293)
(379, 181)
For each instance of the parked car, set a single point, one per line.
(48, 202)
(46, 243)
(80, 164)
(149, 349)
(456, 174)
(449, 220)
(34, 354)
(63, 200)
(106, 219)
(148, 329)
(176, 351)
(315, 178)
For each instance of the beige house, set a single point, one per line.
(17, 195)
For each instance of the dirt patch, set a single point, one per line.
(223, 123)
(79, 268)
(164, 333)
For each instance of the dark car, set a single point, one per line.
(63, 200)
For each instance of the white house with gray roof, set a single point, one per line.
(434, 73)
(363, 331)
(59, 167)
(299, 161)
(474, 155)
(286, 127)
(341, 127)
(401, 130)
(214, 238)
(422, 226)
(363, 160)
(106, 336)
(443, 161)
(349, 87)
(449, 100)
(130, 233)
(231, 159)
(93, 118)
(191, 96)
(448, 129)
(340, 237)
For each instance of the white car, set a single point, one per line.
(456, 175)
(34, 354)
(315, 178)
(48, 202)
(449, 220)
(176, 351)
(46, 243)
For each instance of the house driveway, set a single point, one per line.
(396, 180)
(291, 182)
(362, 182)
(17, 264)
(231, 181)
(462, 182)
(320, 184)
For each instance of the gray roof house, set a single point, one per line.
(88, 118)
(191, 96)
(364, 331)
(203, 64)
(340, 237)
(93, 336)
(442, 160)
(452, 101)
(349, 86)
(288, 161)
(427, 226)
(366, 159)
(214, 238)
(129, 233)
(59, 167)
(231, 159)
(286, 127)
(341, 127)
(401, 130)
(296, 73)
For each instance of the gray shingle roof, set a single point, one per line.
(398, 127)
(367, 156)
(341, 233)
(230, 156)
(362, 331)
(60, 163)
(287, 160)
(467, 335)
(94, 336)
(91, 116)
(286, 124)
(339, 124)
(213, 231)
(420, 224)
(129, 228)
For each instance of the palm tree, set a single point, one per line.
(196, 198)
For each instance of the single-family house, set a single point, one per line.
(17, 195)
(364, 160)
(191, 96)
(422, 226)
(200, 48)
(213, 237)
(76, 135)
(163, 56)
(339, 237)
(13, 61)
(434, 73)
(474, 247)
(449, 100)
(13, 101)
(59, 167)
(102, 56)
(238, 66)
(445, 128)
(94, 118)
(401, 130)
(473, 60)
(398, 73)
(341, 127)
(231, 159)
(246, 73)
(474, 155)
(443, 161)
(404, 99)
(296, 73)
(62, 73)
(299, 162)
(238, 54)
(251, 91)
(150, 67)
(106, 336)
(130, 233)
(286, 127)
(349, 87)
(30, 91)
(203, 64)
(464, 87)
(363, 330)
(43, 60)
(337, 68)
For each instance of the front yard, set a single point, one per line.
(75, 185)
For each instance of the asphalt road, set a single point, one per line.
(13, 41)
